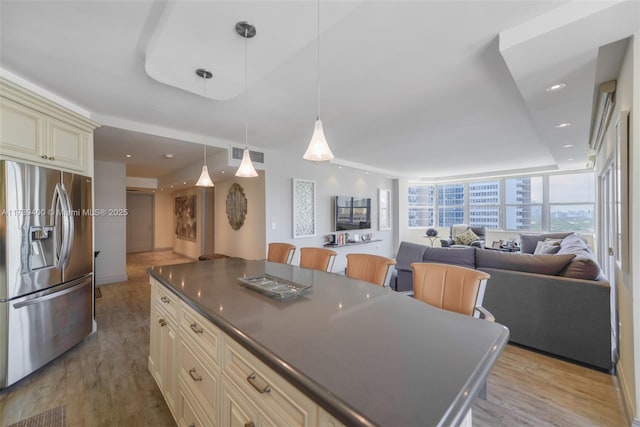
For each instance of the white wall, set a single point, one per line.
(249, 240)
(163, 221)
(330, 181)
(110, 231)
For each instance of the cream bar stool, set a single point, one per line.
(281, 252)
(451, 287)
(317, 258)
(370, 268)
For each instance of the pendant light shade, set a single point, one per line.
(246, 169)
(318, 150)
(205, 179)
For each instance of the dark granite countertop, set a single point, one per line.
(366, 354)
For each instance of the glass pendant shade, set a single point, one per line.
(205, 179)
(246, 169)
(318, 149)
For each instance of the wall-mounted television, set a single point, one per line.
(352, 213)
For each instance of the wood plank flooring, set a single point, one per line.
(104, 380)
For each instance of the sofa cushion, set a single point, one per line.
(528, 242)
(466, 238)
(465, 257)
(546, 248)
(408, 253)
(528, 263)
(584, 266)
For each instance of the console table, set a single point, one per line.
(223, 354)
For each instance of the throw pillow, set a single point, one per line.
(528, 242)
(466, 238)
(546, 248)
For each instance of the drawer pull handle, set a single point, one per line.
(192, 373)
(250, 424)
(196, 329)
(252, 380)
(44, 156)
(165, 300)
(162, 322)
(52, 158)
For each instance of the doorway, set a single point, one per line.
(139, 222)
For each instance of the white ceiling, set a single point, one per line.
(418, 89)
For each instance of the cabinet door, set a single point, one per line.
(21, 131)
(66, 145)
(155, 333)
(169, 367)
(239, 411)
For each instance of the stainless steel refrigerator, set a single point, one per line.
(46, 266)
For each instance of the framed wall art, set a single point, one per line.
(304, 208)
(185, 216)
(236, 206)
(384, 209)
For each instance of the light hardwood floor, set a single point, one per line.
(104, 380)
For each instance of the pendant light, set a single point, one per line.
(205, 179)
(246, 169)
(318, 149)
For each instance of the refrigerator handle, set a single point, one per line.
(67, 225)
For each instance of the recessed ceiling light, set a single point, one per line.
(184, 182)
(570, 158)
(169, 156)
(563, 125)
(171, 186)
(128, 156)
(221, 171)
(567, 146)
(556, 87)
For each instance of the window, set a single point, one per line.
(421, 205)
(523, 203)
(572, 202)
(558, 202)
(484, 204)
(450, 204)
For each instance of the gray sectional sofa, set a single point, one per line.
(558, 302)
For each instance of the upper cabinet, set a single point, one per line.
(36, 130)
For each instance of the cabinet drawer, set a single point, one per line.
(201, 380)
(166, 299)
(268, 390)
(190, 414)
(203, 333)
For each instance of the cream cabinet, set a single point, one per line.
(200, 348)
(208, 379)
(36, 130)
(163, 343)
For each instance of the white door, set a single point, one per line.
(139, 222)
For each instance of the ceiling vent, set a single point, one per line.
(256, 156)
(604, 109)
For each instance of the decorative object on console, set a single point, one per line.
(304, 208)
(185, 215)
(236, 206)
(246, 169)
(384, 209)
(318, 149)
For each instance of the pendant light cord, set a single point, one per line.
(246, 89)
(318, 61)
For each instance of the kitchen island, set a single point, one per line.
(363, 354)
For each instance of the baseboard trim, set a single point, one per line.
(626, 397)
(105, 280)
(166, 248)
